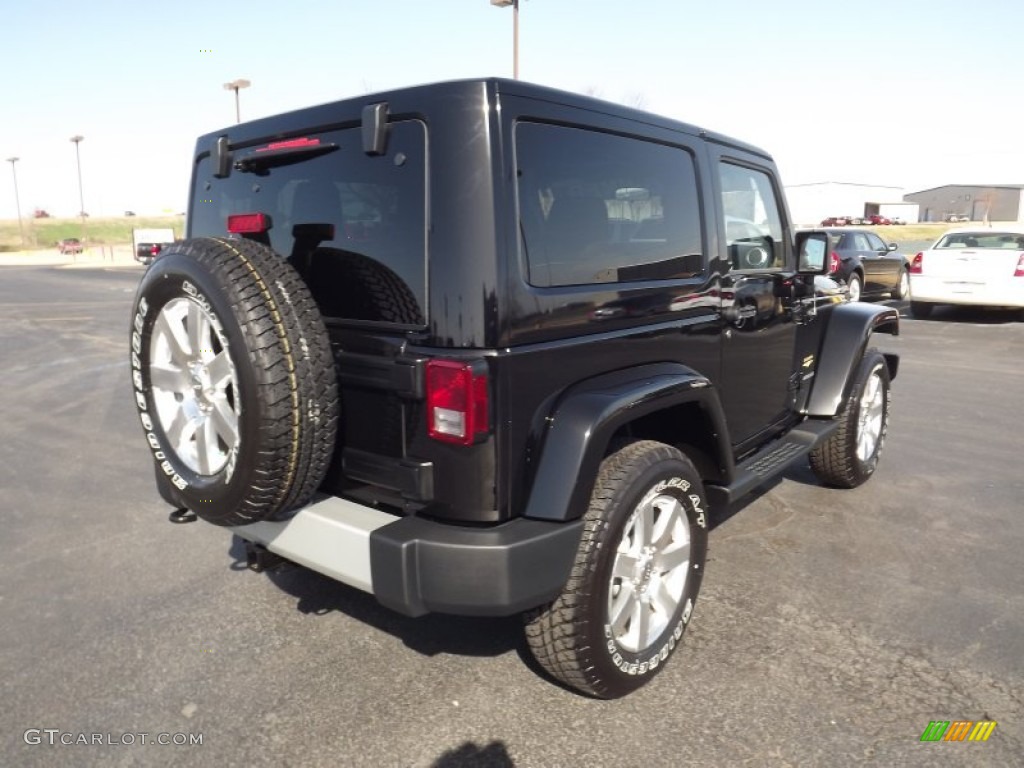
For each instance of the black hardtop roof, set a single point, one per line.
(410, 100)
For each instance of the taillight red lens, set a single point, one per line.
(154, 250)
(248, 223)
(456, 401)
(290, 144)
(1019, 271)
(917, 264)
(833, 264)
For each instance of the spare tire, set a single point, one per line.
(234, 380)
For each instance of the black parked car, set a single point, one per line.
(869, 266)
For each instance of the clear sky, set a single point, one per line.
(909, 93)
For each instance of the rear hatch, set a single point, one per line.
(353, 224)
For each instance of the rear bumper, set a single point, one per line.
(936, 291)
(414, 565)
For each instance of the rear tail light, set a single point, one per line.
(248, 223)
(457, 401)
(290, 144)
(917, 264)
(1019, 271)
(154, 250)
(833, 264)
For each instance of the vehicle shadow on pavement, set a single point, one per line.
(469, 755)
(718, 515)
(972, 315)
(428, 635)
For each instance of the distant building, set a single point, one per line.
(979, 203)
(809, 204)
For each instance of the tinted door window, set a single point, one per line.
(860, 242)
(353, 224)
(597, 208)
(753, 227)
(875, 242)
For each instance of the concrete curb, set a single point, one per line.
(91, 258)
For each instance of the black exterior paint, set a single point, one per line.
(716, 363)
(842, 347)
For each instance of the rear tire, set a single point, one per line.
(902, 290)
(636, 576)
(849, 457)
(921, 310)
(855, 287)
(234, 380)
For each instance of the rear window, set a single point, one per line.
(1008, 240)
(354, 225)
(598, 208)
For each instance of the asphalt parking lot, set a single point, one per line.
(833, 626)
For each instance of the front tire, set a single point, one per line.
(234, 380)
(849, 457)
(636, 577)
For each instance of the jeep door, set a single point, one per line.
(758, 332)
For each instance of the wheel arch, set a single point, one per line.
(842, 347)
(668, 402)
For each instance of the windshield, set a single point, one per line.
(986, 239)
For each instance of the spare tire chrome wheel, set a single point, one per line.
(234, 380)
(194, 386)
(636, 575)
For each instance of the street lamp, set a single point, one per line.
(81, 200)
(17, 200)
(236, 86)
(515, 32)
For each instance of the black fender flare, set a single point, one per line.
(585, 418)
(842, 346)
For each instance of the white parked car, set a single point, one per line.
(974, 266)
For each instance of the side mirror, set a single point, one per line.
(892, 246)
(812, 248)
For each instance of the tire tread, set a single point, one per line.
(556, 633)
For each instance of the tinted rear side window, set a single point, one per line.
(354, 225)
(598, 208)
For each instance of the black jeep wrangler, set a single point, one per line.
(486, 347)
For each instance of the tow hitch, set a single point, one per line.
(259, 559)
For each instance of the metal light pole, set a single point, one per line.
(17, 200)
(236, 86)
(515, 32)
(81, 199)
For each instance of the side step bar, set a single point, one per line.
(772, 460)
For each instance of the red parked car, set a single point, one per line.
(879, 220)
(69, 245)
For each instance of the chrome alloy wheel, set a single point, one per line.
(195, 386)
(854, 289)
(904, 285)
(871, 415)
(649, 572)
